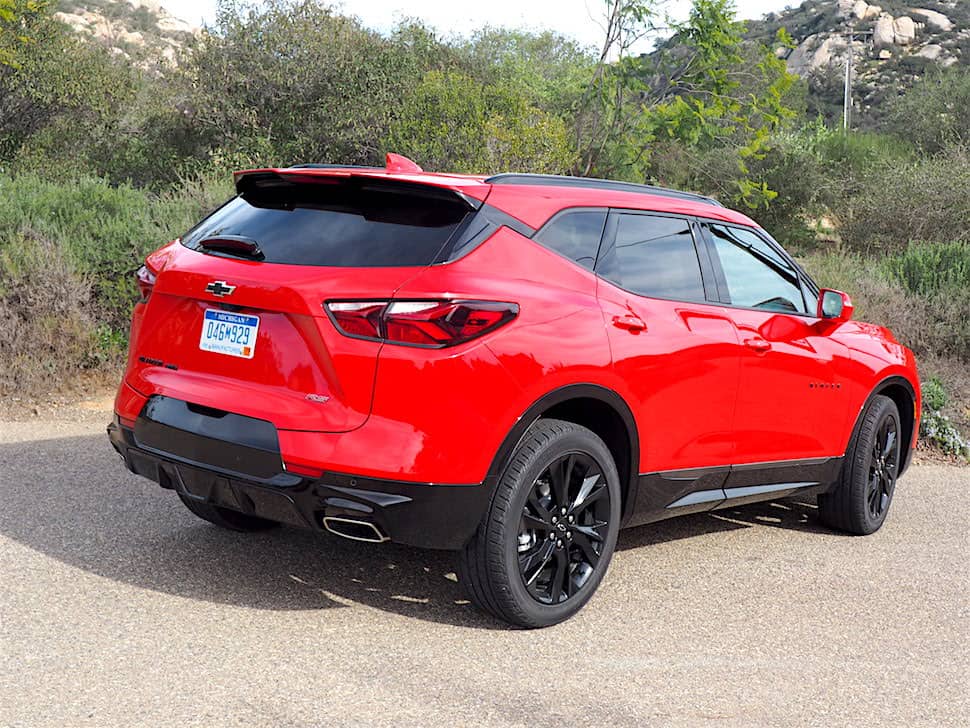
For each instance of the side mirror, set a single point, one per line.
(834, 305)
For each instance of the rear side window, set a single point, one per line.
(338, 224)
(757, 275)
(576, 235)
(654, 256)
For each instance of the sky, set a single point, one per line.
(573, 18)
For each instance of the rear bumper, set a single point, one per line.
(417, 514)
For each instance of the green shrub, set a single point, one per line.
(932, 268)
(934, 395)
(103, 232)
(901, 202)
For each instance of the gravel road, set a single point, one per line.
(119, 608)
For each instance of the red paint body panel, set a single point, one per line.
(700, 396)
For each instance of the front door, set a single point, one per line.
(791, 402)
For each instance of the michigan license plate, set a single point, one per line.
(229, 333)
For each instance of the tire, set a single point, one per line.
(511, 567)
(226, 518)
(860, 501)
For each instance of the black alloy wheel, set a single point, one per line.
(859, 501)
(563, 528)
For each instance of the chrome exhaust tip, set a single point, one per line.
(354, 529)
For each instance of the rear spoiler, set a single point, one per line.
(401, 176)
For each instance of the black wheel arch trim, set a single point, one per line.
(558, 396)
(882, 386)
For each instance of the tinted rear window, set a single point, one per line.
(339, 224)
(575, 235)
(654, 256)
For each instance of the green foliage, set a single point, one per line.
(295, 82)
(901, 202)
(452, 122)
(929, 269)
(549, 70)
(934, 395)
(722, 94)
(101, 231)
(16, 18)
(60, 108)
(934, 113)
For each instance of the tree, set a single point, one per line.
(704, 88)
(451, 122)
(292, 81)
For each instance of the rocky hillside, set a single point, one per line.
(140, 30)
(895, 43)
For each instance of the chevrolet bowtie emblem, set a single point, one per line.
(219, 288)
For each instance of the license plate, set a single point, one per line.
(229, 333)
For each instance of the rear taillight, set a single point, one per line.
(146, 281)
(433, 324)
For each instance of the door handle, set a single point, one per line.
(631, 323)
(758, 344)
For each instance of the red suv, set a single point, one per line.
(513, 367)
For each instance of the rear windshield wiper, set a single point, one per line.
(232, 245)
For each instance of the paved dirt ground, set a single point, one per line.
(118, 607)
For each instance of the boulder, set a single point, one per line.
(904, 30)
(846, 7)
(932, 51)
(885, 54)
(934, 19)
(864, 11)
(883, 33)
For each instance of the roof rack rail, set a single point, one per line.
(555, 180)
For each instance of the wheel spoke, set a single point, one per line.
(585, 548)
(530, 521)
(889, 449)
(533, 562)
(589, 492)
(559, 477)
(557, 588)
(563, 528)
(591, 531)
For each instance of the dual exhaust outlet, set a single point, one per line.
(355, 529)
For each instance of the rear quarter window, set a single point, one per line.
(339, 224)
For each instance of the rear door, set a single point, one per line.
(676, 352)
(791, 402)
(236, 322)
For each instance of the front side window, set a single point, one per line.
(757, 275)
(654, 256)
(576, 235)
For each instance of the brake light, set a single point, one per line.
(146, 281)
(433, 324)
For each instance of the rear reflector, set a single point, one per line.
(433, 324)
(304, 470)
